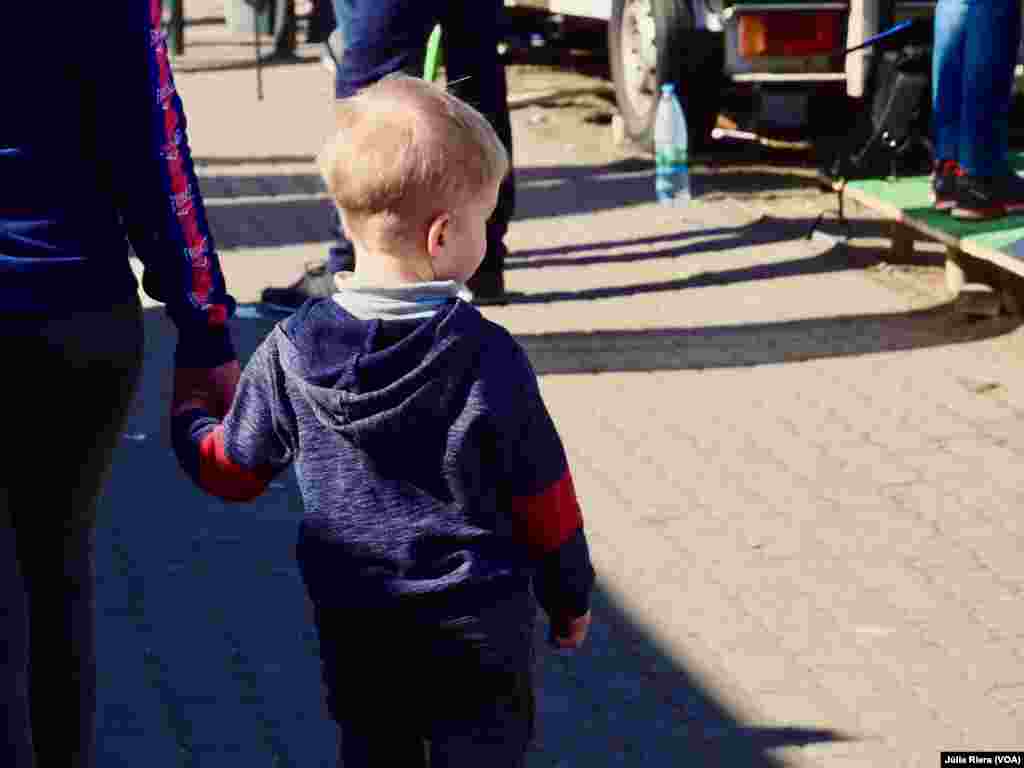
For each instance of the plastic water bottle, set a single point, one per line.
(672, 169)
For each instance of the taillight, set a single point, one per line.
(798, 33)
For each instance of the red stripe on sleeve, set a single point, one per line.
(192, 229)
(220, 476)
(547, 520)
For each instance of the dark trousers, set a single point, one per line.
(68, 384)
(976, 46)
(459, 690)
(495, 733)
(388, 36)
(321, 21)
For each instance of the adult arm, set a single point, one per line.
(142, 128)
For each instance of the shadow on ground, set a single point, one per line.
(207, 655)
(679, 348)
(625, 700)
(266, 211)
(757, 343)
(763, 231)
(271, 209)
(766, 230)
(727, 346)
(552, 191)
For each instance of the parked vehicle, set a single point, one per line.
(764, 58)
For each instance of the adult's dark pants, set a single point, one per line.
(66, 391)
(388, 36)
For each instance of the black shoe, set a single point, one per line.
(1012, 186)
(944, 184)
(315, 283)
(982, 198)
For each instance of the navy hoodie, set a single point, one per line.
(94, 154)
(431, 472)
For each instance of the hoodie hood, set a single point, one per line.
(369, 360)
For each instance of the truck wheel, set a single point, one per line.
(651, 42)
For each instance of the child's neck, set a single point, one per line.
(377, 268)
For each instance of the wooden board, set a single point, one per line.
(1000, 242)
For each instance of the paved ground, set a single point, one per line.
(799, 469)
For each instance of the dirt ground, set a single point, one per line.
(782, 183)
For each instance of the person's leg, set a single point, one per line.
(69, 413)
(988, 189)
(381, 37)
(497, 734)
(321, 22)
(341, 256)
(990, 54)
(947, 77)
(370, 681)
(16, 750)
(472, 31)
(380, 742)
(384, 37)
(482, 682)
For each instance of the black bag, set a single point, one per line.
(893, 137)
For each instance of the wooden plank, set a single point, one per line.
(1000, 258)
(906, 202)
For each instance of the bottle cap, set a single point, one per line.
(668, 88)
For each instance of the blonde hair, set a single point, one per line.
(405, 151)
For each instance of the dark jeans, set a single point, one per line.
(66, 393)
(461, 688)
(976, 44)
(495, 733)
(388, 36)
(321, 21)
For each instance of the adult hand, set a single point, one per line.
(571, 634)
(212, 389)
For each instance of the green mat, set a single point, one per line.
(910, 195)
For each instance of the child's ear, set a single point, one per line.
(437, 235)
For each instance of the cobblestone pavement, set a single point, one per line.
(799, 470)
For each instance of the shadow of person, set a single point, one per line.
(625, 694)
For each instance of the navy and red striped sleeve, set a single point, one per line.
(158, 193)
(546, 516)
(237, 459)
(199, 445)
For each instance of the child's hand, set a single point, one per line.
(570, 634)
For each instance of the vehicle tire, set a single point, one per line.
(651, 42)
